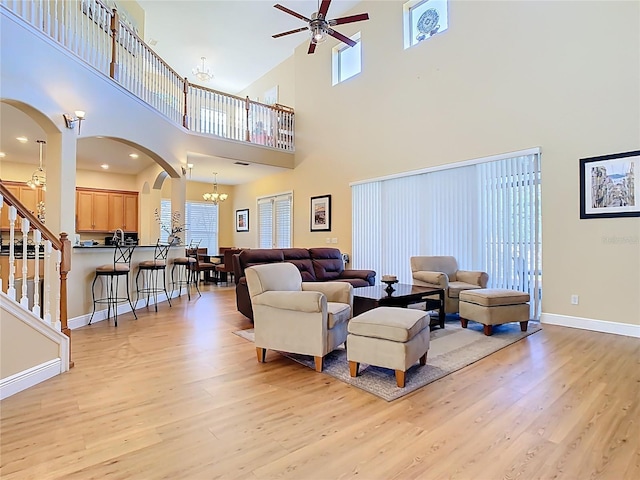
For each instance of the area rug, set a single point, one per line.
(450, 349)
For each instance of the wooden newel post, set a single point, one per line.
(65, 268)
(246, 107)
(113, 66)
(185, 116)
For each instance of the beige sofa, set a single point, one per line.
(308, 318)
(443, 272)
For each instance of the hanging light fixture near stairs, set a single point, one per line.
(38, 178)
(202, 73)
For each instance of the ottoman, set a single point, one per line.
(389, 337)
(494, 306)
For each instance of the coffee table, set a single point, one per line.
(367, 298)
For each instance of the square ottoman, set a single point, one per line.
(494, 306)
(389, 337)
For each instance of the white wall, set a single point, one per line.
(505, 76)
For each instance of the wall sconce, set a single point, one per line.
(71, 120)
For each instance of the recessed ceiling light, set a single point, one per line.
(2, 154)
(22, 139)
(105, 166)
(134, 155)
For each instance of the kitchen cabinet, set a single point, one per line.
(106, 210)
(28, 196)
(92, 211)
(123, 211)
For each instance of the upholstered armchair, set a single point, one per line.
(443, 272)
(307, 318)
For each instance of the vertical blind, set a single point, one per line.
(274, 221)
(486, 215)
(201, 224)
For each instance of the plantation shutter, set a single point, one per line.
(265, 222)
(201, 224)
(275, 221)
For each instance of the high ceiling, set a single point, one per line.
(234, 36)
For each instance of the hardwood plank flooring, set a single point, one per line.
(176, 395)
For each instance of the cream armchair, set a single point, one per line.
(443, 272)
(291, 316)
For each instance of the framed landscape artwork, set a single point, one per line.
(321, 213)
(242, 220)
(609, 185)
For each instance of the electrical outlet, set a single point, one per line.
(574, 299)
(328, 240)
(334, 240)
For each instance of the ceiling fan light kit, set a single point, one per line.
(319, 26)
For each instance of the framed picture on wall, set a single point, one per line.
(321, 213)
(610, 185)
(242, 220)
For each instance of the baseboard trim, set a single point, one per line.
(100, 315)
(30, 377)
(603, 326)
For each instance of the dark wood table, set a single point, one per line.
(367, 298)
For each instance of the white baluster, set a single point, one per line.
(37, 239)
(47, 281)
(11, 290)
(58, 325)
(24, 300)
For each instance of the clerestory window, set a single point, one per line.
(346, 60)
(423, 19)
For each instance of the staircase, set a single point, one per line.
(35, 341)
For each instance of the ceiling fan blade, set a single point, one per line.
(349, 19)
(341, 37)
(324, 8)
(312, 48)
(277, 35)
(291, 12)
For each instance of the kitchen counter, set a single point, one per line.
(81, 247)
(83, 269)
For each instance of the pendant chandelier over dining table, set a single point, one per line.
(215, 197)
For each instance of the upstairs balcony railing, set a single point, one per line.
(96, 33)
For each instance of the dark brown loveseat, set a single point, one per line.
(315, 265)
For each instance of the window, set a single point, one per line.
(201, 224)
(275, 224)
(347, 61)
(423, 19)
(484, 213)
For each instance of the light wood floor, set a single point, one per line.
(177, 395)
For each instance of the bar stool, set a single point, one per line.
(152, 269)
(121, 266)
(186, 273)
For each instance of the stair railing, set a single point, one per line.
(101, 38)
(56, 255)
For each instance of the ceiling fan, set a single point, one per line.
(320, 27)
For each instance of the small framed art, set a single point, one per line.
(609, 185)
(242, 220)
(321, 213)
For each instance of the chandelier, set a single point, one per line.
(38, 178)
(215, 197)
(202, 73)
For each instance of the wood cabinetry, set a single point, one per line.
(28, 196)
(123, 211)
(106, 210)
